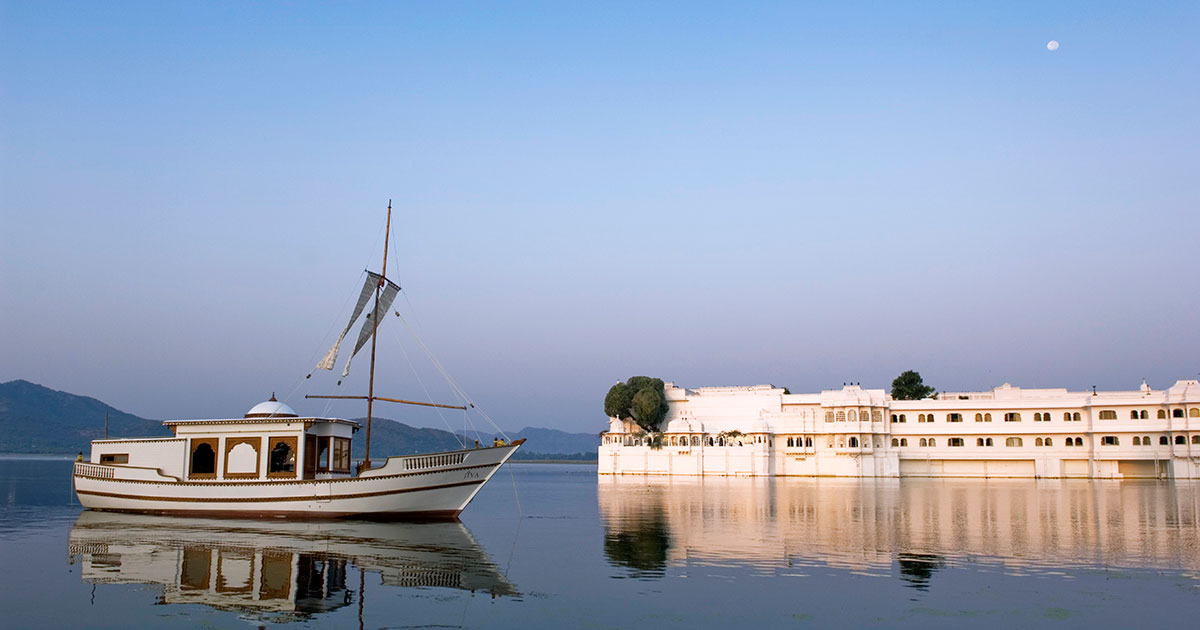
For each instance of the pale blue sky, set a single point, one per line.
(711, 193)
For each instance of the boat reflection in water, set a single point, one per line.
(908, 528)
(283, 570)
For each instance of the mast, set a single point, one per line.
(375, 329)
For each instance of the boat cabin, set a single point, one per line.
(271, 442)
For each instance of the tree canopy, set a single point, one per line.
(909, 386)
(641, 399)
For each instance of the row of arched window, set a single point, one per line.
(1142, 414)
(1163, 440)
(875, 415)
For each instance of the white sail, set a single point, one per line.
(369, 325)
(369, 285)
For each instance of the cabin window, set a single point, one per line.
(282, 462)
(1012, 416)
(241, 457)
(1109, 440)
(114, 458)
(1108, 414)
(1013, 441)
(203, 461)
(954, 417)
(954, 442)
(341, 454)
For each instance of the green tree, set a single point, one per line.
(909, 386)
(641, 399)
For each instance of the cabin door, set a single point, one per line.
(310, 456)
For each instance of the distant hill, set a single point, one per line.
(37, 419)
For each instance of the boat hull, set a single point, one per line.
(434, 486)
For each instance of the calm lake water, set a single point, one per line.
(553, 546)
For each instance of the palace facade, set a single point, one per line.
(853, 432)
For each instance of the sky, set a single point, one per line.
(802, 194)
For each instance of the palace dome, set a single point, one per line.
(271, 409)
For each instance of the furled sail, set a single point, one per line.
(364, 296)
(369, 325)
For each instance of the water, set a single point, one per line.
(568, 549)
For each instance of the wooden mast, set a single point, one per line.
(374, 330)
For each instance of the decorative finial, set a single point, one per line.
(273, 398)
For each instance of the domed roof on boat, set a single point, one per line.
(271, 409)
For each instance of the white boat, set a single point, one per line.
(272, 462)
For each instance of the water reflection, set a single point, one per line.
(906, 528)
(279, 570)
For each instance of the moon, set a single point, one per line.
(1052, 45)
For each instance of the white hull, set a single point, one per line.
(428, 486)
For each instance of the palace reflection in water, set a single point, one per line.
(909, 528)
(280, 570)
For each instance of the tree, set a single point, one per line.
(641, 399)
(909, 386)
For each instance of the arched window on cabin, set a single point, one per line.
(204, 459)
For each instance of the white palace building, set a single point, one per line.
(853, 432)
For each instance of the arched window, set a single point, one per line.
(1070, 442)
(1194, 412)
(1162, 414)
(895, 442)
(978, 441)
(1177, 413)
(789, 442)
(978, 417)
(988, 442)
(1144, 415)
(1137, 441)
(894, 418)
(1163, 441)
(1012, 441)
(954, 442)
(1108, 414)
(954, 417)
(808, 442)
(902, 418)
(828, 416)
(987, 417)
(204, 458)
(841, 416)
(1049, 441)
(1110, 440)
(903, 441)
(1066, 416)
(932, 442)
(923, 442)
(1012, 416)
(853, 440)
(710, 441)
(853, 416)
(1145, 440)
(695, 440)
(1196, 439)
(1133, 414)
(1037, 442)
(282, 457)
(1179, 439)
(1075, 416)
(1037, 416)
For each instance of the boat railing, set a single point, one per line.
(95, 471)
(433, 461)
(128, 473)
